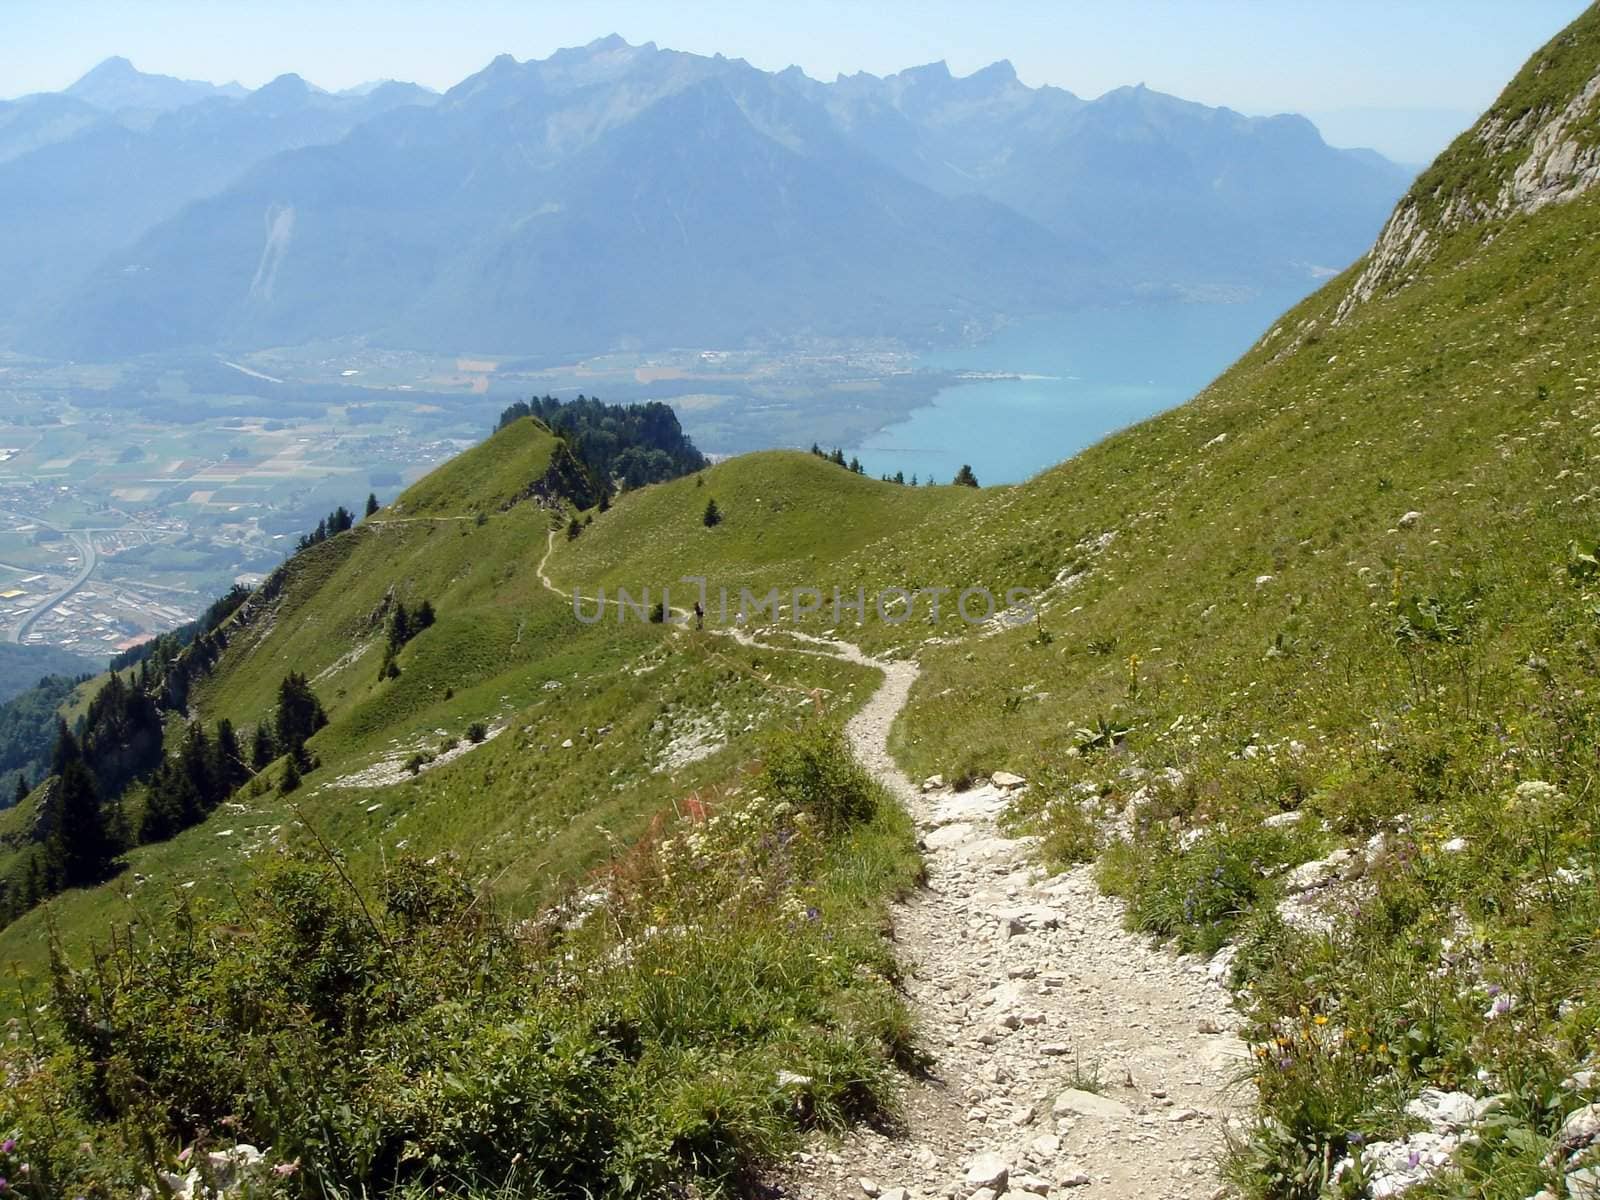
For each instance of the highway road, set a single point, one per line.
(89, 559)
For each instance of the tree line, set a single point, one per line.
(622, 446)
(81, 827)
(963, 478)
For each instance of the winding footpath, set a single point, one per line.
(1070, 1057)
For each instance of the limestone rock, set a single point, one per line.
(1579, 1129)
(1318, 872)
(1393, 1167)
(1029, 918)
(988, 1170)
(948, 837)
(1074, 1101)
(1444, 1111)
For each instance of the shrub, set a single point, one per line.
(405, 1040)
(812, 768)
(476, 732)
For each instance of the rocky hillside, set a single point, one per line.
(1539, 144)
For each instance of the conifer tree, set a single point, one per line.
(230, 768)
(965, 477)
(372, 503)
(399, 626)
(80, 846)
(262, 749)
(713, 514)
(299, 714)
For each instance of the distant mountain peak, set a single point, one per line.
(116, 84)
(997, 72)
(112, 68)
(285, 86)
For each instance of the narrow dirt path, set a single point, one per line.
(1070, 1056)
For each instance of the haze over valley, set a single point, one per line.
(229, 309)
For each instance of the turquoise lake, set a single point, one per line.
(1085, 374)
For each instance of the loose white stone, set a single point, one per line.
(1074, 1101)
(988, 1170)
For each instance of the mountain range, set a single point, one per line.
(628, 196)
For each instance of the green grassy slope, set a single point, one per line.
(651, 716)
(788, 520)
(482, 478)
(1352, 580)
(575, 957)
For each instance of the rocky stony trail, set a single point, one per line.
(1071, 1057)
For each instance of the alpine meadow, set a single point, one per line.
(1215, 814)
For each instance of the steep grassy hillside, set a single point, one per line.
(553, 907)
(590, 730)
(1314, 671)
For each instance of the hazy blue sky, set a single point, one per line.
(1390, 68)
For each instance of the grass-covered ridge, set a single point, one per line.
(522, 461)
(640, 956)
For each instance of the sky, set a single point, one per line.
(1399, 75)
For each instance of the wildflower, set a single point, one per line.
(7, 1146)
(1535, 791)
(1356, 1138)
(285, 1169)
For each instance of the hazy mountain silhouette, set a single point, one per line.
(626, 195)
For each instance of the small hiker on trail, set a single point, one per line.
(699, 616)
